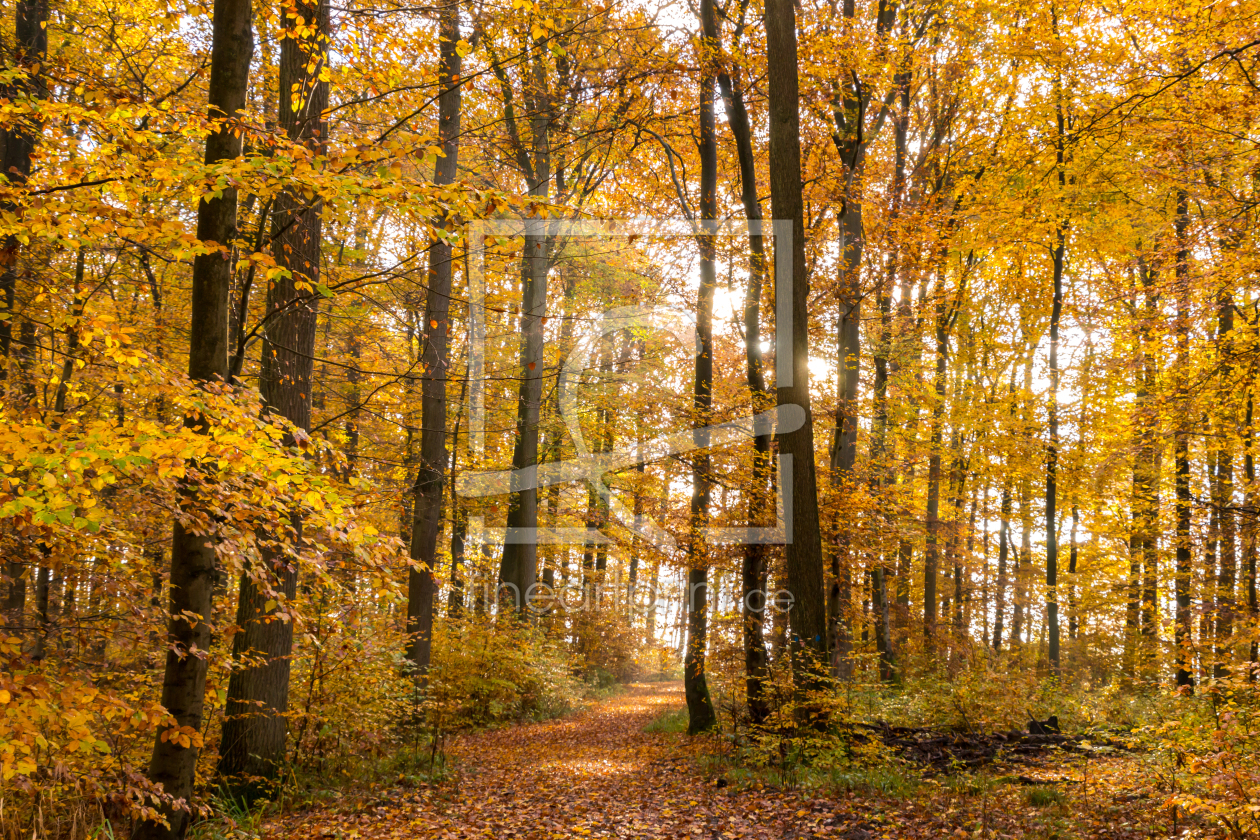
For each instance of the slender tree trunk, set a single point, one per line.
(175, 749)
(435, 332)
(255, 726)
(1249, 547)
(1058, 257)
(1074, 621)
(43, 618)
(459, 521)
(931, 553)
(699, 705)
(1052, 447)
(1181, 448)
(1022, 557)
(754, 568)
(1004, 553)
(1021, 629)
(849, 114)
(1224, 501)
(878, 477)
(906, 352)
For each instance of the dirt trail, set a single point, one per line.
(598, 774)
(594, 774)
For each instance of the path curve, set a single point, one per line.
(596, 773)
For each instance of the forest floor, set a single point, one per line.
(598, 773)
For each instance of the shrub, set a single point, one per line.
(486, 672)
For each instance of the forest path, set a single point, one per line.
(596, 773)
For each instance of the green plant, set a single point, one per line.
(888, 780)
(1043, 796)
(673, 722)
(968, 784)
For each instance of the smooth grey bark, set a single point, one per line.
(255, 726)
(519, 568)
(192, 576)
(435, 332)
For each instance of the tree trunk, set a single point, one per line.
(699, 706)
(1004, 553)
(30, 48)
(435, 331)
(879, 477)
(1058, 257)
(519, 568)
(754, 569)
(1052, 447)
(1224, 501)
(174, 761)
(1249, 547)
(1181, 448)
(804, 551)
(255, 726)
(849, 114)
(1074, 621)
(931, 553)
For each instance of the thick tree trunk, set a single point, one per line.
(435, 332)
(804, 552)
(30, 48)
(255, 726)
(174, 760)
(519, 568)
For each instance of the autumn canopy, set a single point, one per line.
(373, 375)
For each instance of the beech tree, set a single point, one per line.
(193, 563)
